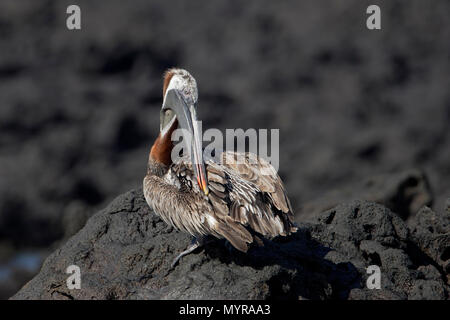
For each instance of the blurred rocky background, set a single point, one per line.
(362, 114)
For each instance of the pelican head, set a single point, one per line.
(180, 104)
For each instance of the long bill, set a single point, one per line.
(187, 119)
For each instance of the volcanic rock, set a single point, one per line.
(125, 250)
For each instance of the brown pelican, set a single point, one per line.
(235, 200)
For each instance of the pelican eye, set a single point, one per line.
(167, 116)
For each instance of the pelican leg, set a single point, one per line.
(196, 243)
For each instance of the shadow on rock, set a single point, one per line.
(304, 272)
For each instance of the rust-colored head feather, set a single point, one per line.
(167, 77)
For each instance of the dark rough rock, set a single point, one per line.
(431, 232)
(369, 233)
(125, 250)
(404, 193)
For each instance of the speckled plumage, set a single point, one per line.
(241, 198)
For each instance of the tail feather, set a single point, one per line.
(236, 234)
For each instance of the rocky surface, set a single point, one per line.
(405, 193)
(125, 250)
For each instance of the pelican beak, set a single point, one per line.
(197, 153)
(187, 119)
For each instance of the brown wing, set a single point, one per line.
(195, 213)
(248, 189)
(248, 194)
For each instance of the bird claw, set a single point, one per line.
(196, 243)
